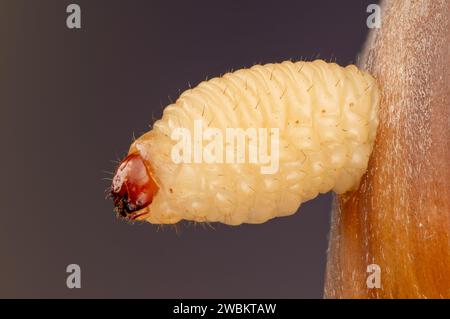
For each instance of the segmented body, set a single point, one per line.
(327, 119)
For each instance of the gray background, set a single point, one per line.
(70, 101)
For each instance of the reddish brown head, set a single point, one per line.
(132, 187)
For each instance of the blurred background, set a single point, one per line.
(70, 102)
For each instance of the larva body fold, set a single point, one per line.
(326, 116)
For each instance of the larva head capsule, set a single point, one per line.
(132, 187)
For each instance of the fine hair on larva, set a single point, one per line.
(326, 116)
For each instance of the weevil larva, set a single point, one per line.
(326, 117)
